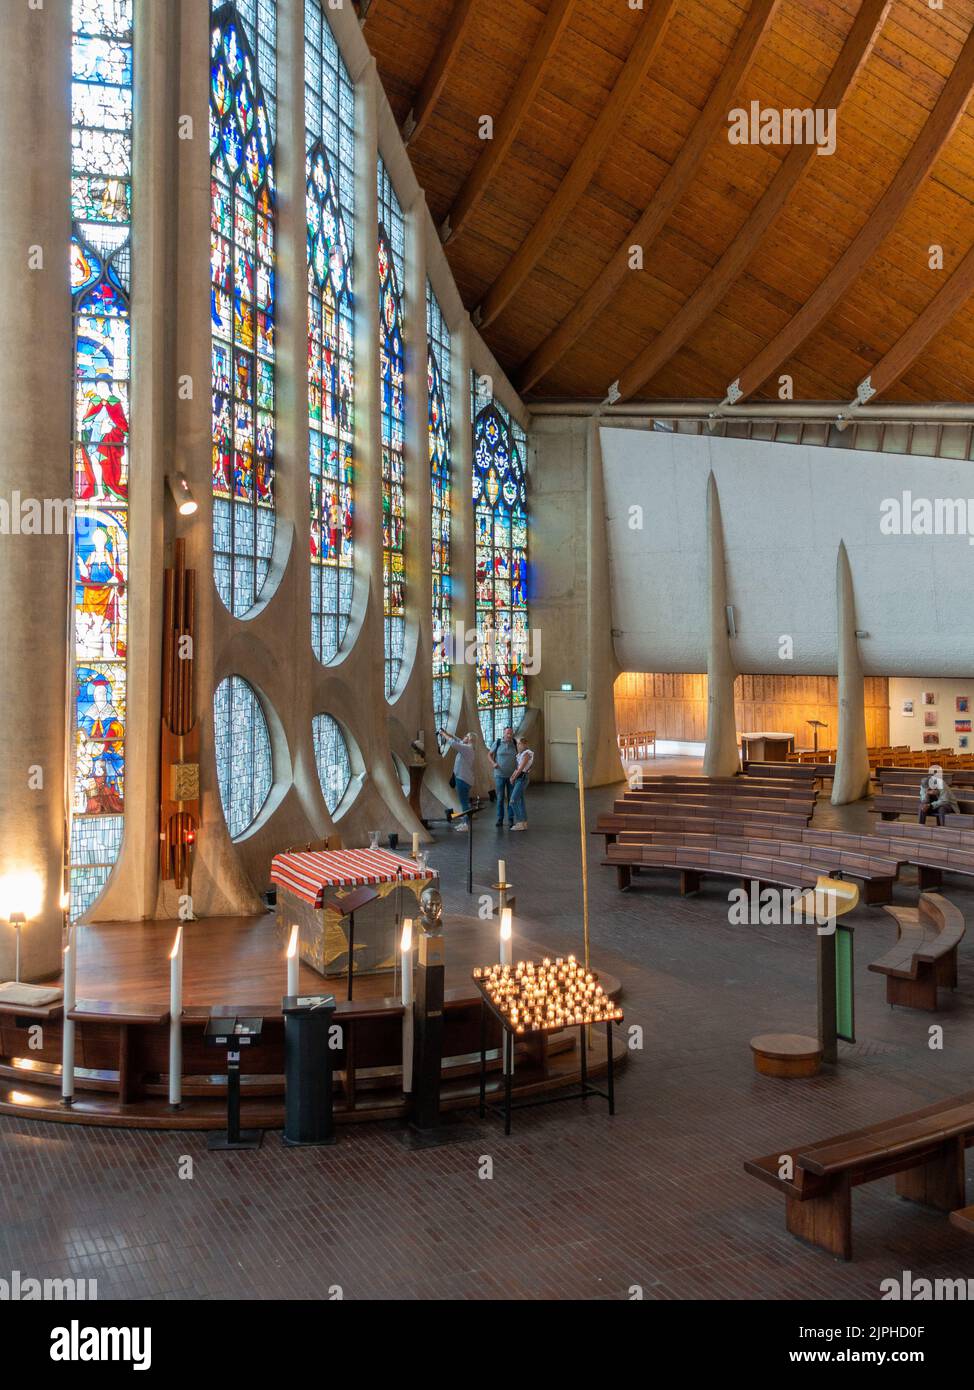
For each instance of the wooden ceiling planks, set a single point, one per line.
(815, 283)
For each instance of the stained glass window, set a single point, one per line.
(331, 756)
(392, 266)
(101, 205)
(243, 43)
(330, 192)
(440, 425)
(501, 530)
(243, 753)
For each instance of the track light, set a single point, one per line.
(182, 493)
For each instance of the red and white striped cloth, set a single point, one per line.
(310, 873)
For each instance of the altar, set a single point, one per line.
(313, 889)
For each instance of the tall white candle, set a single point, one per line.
(507, 931)
(415, 843)
(67, 1026)
(501, 871)
(406, 962)
(293, 963)
(175, 1017)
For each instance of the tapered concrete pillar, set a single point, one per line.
(851, 780)
(35, 472)
(720, 758)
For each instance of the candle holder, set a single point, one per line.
(550, 997)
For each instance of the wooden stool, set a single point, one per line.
(786, 1054)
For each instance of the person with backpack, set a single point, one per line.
(519, 784)
(503, 759)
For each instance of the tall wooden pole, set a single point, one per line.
(581, 818)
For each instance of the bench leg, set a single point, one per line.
(689, 882)
(939, 1182)
(888, 815)
(928, 877)
(945, 970)
(877, 890)
(824, 1221)
(920, 993)
(623, 876)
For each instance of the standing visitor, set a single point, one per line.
(463, 772)
(519, 784)
(503, 759)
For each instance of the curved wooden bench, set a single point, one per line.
(925, 1150)
(925, 955)
(694, 864)
(611, 825)
(963, 1220)
(877, 875)
(892, 804)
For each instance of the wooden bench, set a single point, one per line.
(634, 746)
(694, 864)
(610, 824)
(925, 955)
(925, 1151)
(789, 806)
(726, 853)
(933, 849)
(788, 772)
(963, 1220)
(893, 804)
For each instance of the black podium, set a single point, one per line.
(233, 1034)
(308, 1109)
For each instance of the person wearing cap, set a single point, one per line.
(936, 797)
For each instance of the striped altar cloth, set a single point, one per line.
(310, 873)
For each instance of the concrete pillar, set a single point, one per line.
(721, 756)
(601, 756)
(851, 780)
(35, 386)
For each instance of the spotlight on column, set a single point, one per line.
(182, 493)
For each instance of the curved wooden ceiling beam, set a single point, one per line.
(926, 150)
(583, 167)
(525, 90)
(948, 302)
(447, 53)
(855, 51)
(670, 193)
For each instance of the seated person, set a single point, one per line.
(936, 796)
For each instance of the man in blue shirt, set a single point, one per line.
(503, 759)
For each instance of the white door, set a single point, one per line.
(564, 712)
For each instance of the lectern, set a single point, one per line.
(234, 1034)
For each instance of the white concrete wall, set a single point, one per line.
(910, 729)
(785, 509)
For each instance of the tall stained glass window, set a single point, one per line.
(331, 757)
(330, 192)
(101, 204)
(440, 425)
(243, 58)
(392, 268)
(244, 768)
(501, 528)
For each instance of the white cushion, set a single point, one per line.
(31, 996)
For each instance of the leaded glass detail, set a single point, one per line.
(244, 767)
(440, 422)
(392, 264)
(100, 278)
(242, 295)
(501, 533)
(332, 760)
(330, 194)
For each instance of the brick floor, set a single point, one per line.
(578, 1207)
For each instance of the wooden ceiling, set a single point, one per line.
(610, 129)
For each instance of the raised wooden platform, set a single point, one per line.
(786, 1054)
(237, 965)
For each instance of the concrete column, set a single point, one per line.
(601, 752)
(720, 757)
(851, 780)
(133, 886)
(35, 386)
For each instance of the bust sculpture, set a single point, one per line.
(431, 912)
